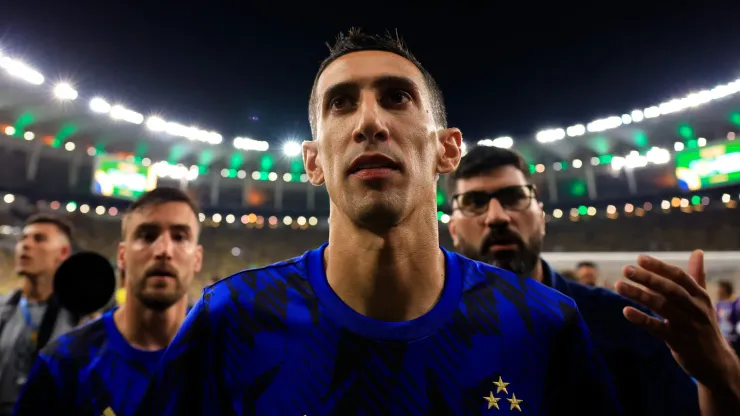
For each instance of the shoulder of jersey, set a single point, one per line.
(527, 286)
(218, 293)
(78, 341)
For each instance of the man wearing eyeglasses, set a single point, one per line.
(497, 219)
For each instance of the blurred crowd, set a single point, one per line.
(231, 248)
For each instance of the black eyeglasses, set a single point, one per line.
(511, 198)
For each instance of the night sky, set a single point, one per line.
(504, 70)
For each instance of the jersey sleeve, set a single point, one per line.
(578, 380)
(180, 385)
(40, 393)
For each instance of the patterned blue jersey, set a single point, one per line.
(279, 341)
(91, 370)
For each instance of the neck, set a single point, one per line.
(538, 272)
(37, 288)
(396, 276)
(146, 329)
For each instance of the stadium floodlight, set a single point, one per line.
(119, 112)
(245, 143)
(155, 123)
(604, 124)
(20, 70)
(292, 148)
(550, 135)
(576, 130)
(504, 142)
(100, 106)
(64, 91)
(636, 116)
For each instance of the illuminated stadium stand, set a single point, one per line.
(51, 136)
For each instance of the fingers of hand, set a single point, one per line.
(644, 297)
(669, 272)
(652, 324)
(695, 268)
(658, 284)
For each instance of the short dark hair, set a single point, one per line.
(569, 274)
(586, 264)
(356, 41)
(481, 160)
(727, 286)
(64, 226)
(159, 196)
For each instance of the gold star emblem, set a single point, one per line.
(500, 385)
(515, 403)
(492, 401)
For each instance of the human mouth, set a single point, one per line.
(373, 166)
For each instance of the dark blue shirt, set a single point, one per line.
(279, 341)
(647, 378)
(87, 371)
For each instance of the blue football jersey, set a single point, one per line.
(279, 341)
(91, 370)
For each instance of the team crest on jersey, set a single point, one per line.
(502, 392)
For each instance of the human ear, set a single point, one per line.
(312, 163)
(449, 150)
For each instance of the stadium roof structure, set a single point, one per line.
(32, 108)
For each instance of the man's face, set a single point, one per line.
(587, 275)
(723, 293)
(160, 254)
(508, 232)
(377, 148)
(40, 250)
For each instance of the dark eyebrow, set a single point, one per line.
(381, 82)
(154, 226)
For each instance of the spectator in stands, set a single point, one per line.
(31, 316)
(569, 274)
(728, 313)
(103, 367)
(587, 273)
(498, 219)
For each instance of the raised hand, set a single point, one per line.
(689, 325)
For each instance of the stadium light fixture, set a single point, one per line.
(502, 142)
(64, 91)
(20, 70)
(245, 143)
(100, 106)
(292, 148)
(636, 116)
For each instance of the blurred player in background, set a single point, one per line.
(587, 273)
(102, 368)
(32, 316)
(498, 219)
(569, 274)
(728, 313)
(381, 320)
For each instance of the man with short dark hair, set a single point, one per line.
(381, 320)
(587, 273)
(102, 368)
(497, 219)
(31, 317)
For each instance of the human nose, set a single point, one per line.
(163, 246)
(370, 125)
(496, 214)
